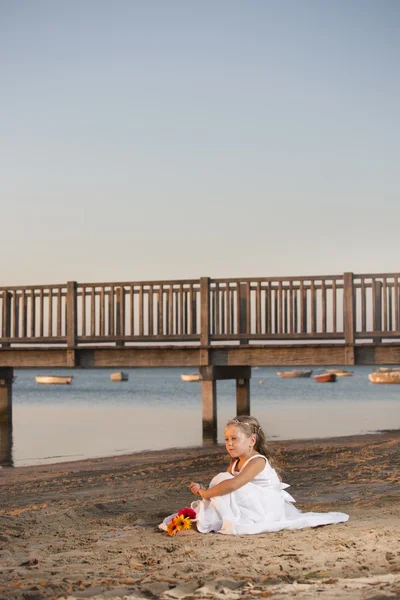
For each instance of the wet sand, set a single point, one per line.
(89, 528)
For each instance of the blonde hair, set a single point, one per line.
(250, 426)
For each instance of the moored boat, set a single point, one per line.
(344, 374)
(54, 379)
(293, 374)
(191, 377)
(385, 377)
(325, 377)
(119, 376)
(340, 372)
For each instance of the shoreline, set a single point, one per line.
(170, 450)
(88, 528)
(94, 417)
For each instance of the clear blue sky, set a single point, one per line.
(176, 139)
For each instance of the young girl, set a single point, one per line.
(250, 497)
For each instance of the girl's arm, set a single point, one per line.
(246, 475)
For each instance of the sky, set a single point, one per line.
(154, 139)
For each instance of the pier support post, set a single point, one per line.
(6, 378)
(209, 404)
(210, 375)
(243, 396)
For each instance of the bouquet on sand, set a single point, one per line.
(180, 521)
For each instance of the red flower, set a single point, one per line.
(187, 512)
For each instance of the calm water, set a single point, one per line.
(155, 410)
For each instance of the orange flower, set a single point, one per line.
(177, 524)
(173, 527)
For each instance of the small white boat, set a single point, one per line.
(344, 374)
(54, 379)
(340, 372)
(119, 376)
(294, 374)
(385, 377)
(191, 377)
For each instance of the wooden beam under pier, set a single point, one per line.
(193, 356)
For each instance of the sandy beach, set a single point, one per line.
(88, 529)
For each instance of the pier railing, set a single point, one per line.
(347, 308)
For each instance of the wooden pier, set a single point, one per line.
(222, 327)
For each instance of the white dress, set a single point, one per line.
(261, 505)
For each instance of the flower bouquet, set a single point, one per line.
(182, 520)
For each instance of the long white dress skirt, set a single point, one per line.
(255, 508)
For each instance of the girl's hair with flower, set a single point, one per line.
(250, 426)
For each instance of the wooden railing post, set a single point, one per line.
(204, 318)
(6, 317)
(303, 308)
(204, 311)
(193, 309)
(243, 308)
(71, 325)
(349, 318)
(377, 303)
(120, 315)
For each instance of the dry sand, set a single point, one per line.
(89, 528)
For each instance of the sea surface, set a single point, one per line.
(155, 410)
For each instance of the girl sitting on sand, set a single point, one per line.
(250, 497)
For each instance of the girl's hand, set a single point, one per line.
(195, 488)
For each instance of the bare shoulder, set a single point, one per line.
(255, 464)
(249, 471)
(259, 459)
